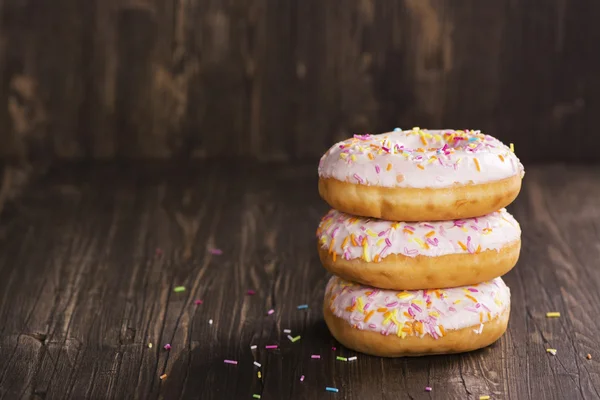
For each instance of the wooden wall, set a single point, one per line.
(281, 80)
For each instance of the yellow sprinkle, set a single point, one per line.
(512, 148)
(464, 247)
(477, 165)
(456, 301)
(380, 242)
(420, 166)
(553, 314)
(458, 160)
(366, 251)
(419, 242)
(551, 351)
(404, 295)
(343, 155)
(149, 345)
(361, 304)
(371, 233)
(259, 375)
(484, 397)
(437, 138)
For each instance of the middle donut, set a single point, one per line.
(418, 255)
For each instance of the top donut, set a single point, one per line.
(420, 175)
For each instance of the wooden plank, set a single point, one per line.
(91, 291)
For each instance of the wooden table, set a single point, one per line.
(90, 257)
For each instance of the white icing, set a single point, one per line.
(401, 159)
(403, 312)
(490, 232)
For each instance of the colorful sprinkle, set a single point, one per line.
(589, 356)
(215, 252)
(198, 302)
(553, 314)
(295, 339)
(257, 364)
(210, 321)
(253, 347)
(230, 362)
(271, 346)
(551, 351)
(484, 397)
(259, 374)
(179, 289)
(428, 389)
(250, 292)
(287, 331)
(315, 356)
(302, 378)
(271, 311)
(302, 307)
(341, 358)
(167, 346)
(163, 377)
(256, 396)
(331, 389)
(149, 345)
(352, 358)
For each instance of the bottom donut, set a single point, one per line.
(391, 323)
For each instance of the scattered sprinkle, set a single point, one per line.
(210, 321)
(198, 302)
(331, 389)
(315, 356)
(287, 331)
(302, 307)
(352, 358)
(259, 375)
(397, 129)
(302, 378)
(271, 346)
(486, 397)
(256, 396)
(230, 362)
(250, 292)
(257, 364)
(341, 358)
(215, 252)
(163, 377)
(149, 345)
(333, 348)
(179, 289)
(512, 148)
(253, 347)
(290, 337)
(553, 314)
(167, 346)
(589, 356)
(551, 351)
(271, 311)
(295, 339)
(428, 389)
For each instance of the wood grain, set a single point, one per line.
(122, 79)
(83, 291)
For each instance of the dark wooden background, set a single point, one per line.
(281, 80)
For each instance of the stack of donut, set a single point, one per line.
(417, 240)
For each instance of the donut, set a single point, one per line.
(418, 255)
(391, 323)
(420, 175)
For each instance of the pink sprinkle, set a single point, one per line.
(251, 292)
(473, 290)
(410, 228)
(230, 362)
(358, 178)
(416, 307)
(377, 169)
(271, 346)
(387, 241)
(333, 348)
(271, 311)
(197, 302)
(302, 378)
(385, 149)
(429, 226)
(216, 252)
(427, 389)
(315, 356)
(167, 346)
(394, 304)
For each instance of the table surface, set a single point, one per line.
(90, 257)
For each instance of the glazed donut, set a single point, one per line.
(411, 323)
(420, 175)
(418, 255)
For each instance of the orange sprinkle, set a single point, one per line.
(468, 296)
(489, 316)
(477, 164)
(369, 315)
(382, 309)
(464, 247)
(478, 249)
(353, 239)
(418, 327)
(389, 167)
(430, 234)
(370, 156)
(364, 241)
(407, 231)
(420, 166)
(345, 242)
(500, 157)
(442, 330)
(407, 315)
(163, 377)
(334, 256)
(480, 317)
(331, 245)
(399, 178)
(423, 141)
(376, 258)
